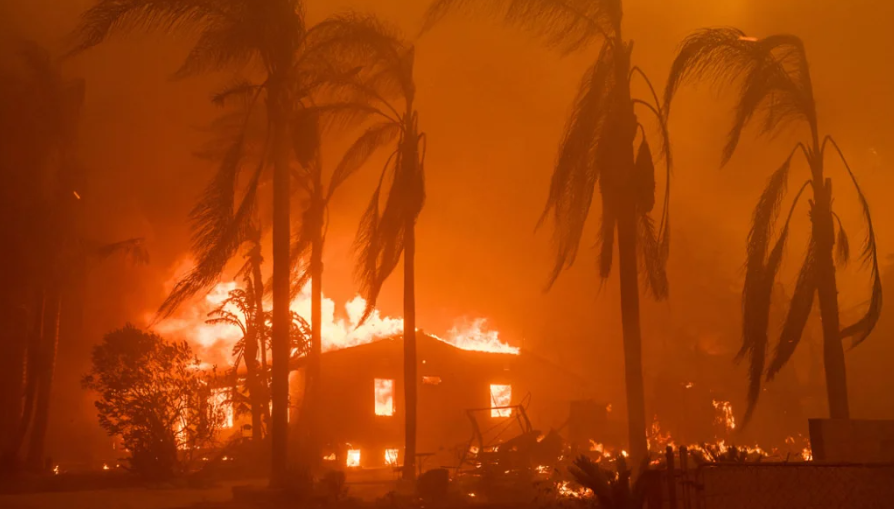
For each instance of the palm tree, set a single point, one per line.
(599, 148)
(234, 33)
(43, 184)
(375, 77)
(253, 325)
(775, 89)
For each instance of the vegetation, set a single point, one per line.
(383, 88)
(39, 114)
(604, 146)
(153, 395)
(775, 89)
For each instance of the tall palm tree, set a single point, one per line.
(230, 33)
(599, 148)
(376, 81)
(49, 251)
(775, 90)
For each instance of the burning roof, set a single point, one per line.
(214, 342)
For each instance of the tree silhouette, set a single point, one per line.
(233, 33)
(775, 90)
(599, 148)
(375, 70)
(42, 221)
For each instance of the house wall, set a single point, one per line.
(443, 425)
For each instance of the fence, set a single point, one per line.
(771, 485)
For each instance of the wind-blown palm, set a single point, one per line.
(599, 148)
(375, 89)
(271, 34)
(775, 89)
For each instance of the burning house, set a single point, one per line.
(466, 398)
(474, 390)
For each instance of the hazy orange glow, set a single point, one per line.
(500, 396)
(384, 397)
(220, 401)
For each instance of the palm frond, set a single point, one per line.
(653, 263)
(565, 25)
(799, 310)
(134, 249)
(842, 244)
(221, 45)
(773, 75)
(109, 17)
(360, 151)
(863, 327)
(241, 89)
(219, 228)
(577, 170)
(760, 277)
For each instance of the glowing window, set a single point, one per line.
(353, 458)
(391, 457)
(500, 396)
(221, 403)
(431, 380)
(384, 397)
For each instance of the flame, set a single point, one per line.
(105, 466)
(353, 459)
(473, 336)
(384, 396)
(56, 470)
(214, 342)
(564, 488)
(500, 396)
(724, 414)
(391, 457)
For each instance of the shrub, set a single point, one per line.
(152, 394)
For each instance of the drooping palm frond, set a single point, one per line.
(760, 276)
(653, 262)
(577, 170)
(219, 228)
(798, 312)
(863, 327)
(375, 137)
(842, 244)
(565, 25)
(773, 75)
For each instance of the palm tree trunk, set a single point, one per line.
(278, 112)
(12, 385)
(49, 342)
(827, 291)
(633, 361)
(32, 373)
(263, 398)
(409, 471)
(316, 340)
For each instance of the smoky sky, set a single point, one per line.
(493, 104)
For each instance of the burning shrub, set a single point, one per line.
(152, 394)
(612, 489)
